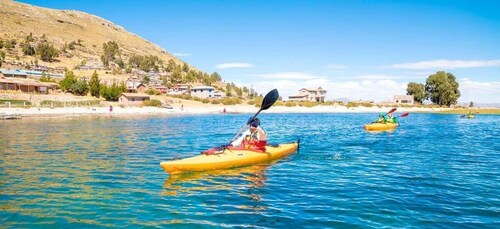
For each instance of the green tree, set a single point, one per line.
(46, 78)
(190, 77)
(28, 49)
(47, 51)
(95, 85)
(105, 61)
(68, 81)
(417, 90)
(111, 93)
(135, 61)
(442, 88)
(215, 77)
(120, 63)
(228, 90)
(171, 65)
(239, 91)
(176, 77)
(185, 68)
(111, 50)
(2, 57)
(1, 44)
(81, 87)
(145, 79)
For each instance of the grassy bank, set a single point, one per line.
(474, 111)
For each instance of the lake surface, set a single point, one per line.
(433, 171)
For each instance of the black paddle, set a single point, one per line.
(268, 101)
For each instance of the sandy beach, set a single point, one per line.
(193, 108)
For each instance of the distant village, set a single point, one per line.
(28, 81)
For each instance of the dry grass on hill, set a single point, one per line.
(18, 20)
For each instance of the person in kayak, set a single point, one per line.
(253, 138)
(391, 119)
(381, 118)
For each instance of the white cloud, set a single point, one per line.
(447, 64)
(234, 65)
(336, 66)
(288, 76)
(484, 92)
(182, 54)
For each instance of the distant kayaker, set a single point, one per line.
(255, 137)
(381, 118)
(391, 118)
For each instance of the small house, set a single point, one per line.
(404, 99)
(132, 99)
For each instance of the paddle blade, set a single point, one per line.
(270, 99)
(405, 114)
(392, 110)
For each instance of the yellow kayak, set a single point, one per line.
(228, 158)
(381, 126)
(470, 116)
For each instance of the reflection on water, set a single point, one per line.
(250, 178)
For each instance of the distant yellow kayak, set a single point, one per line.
(470, 116)
(228, 158)
(381, 126)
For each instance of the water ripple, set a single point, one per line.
(433, 171)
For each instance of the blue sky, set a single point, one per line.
(355, 49)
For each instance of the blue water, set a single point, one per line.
(433, 171)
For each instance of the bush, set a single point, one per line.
(352, 104)
(227, 101)
(205, 100)
(152, 91)
(279, 103)
(309, 104)
(290, 104)
(152, 103)
(237, 100)
(215, 101)
(251, 102)
(47, 51)
(366, 104)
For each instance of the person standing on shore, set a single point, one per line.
(110, 108)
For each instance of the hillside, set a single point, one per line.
(60, 27)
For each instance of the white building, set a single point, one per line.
(404, 99)
(203, 92)
(316, 95)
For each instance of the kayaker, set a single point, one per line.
(391, 118)
(381, 118)
(253, 138)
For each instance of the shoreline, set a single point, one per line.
(34, 112)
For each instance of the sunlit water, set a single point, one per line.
(433, 171)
